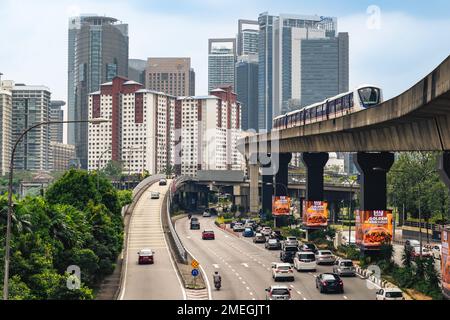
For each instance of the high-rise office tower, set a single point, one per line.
(98, 51)
(30, 106)
(247, 39)
(173, 76)
(247, 90)
(294, 51)
(57, 114)
(136, 70)
(221, 62)
(5, 125)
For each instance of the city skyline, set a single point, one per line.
(367, 65)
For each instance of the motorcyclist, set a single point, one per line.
(189, 216)
(217, 279)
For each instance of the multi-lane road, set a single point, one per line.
(245, 267)
(149, 282)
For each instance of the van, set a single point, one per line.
(305, 261)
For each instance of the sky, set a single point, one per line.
(393, 44)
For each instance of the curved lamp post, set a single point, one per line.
(10, 191)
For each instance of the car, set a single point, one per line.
(415, 252)
(259, 238)
(195, 225)
(206, 214)
(248, 233)
(146, 256)
(344, 267)
(278, 293)
(276, 235)
(290, 241)
(409, 244)
(238, 227)
(308, 247)
(163, 182)
(273, 244)
(437, 249)
(266, 231)
(208, 235)
(329, 282)
(288, 253)
(305, 261)
(154, 195)
(325, 257)
(194, 219)
(282, 271)
(390, 294)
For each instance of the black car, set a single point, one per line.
(308, 247)
(329, 282)
(163, 182)
(195, 225)
(288, 253)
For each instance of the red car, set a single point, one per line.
(208, 235)
(146, 256)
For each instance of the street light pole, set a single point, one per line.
(10, 191)
(98, 166)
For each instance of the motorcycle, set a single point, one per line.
(190, 216)
(217, 284)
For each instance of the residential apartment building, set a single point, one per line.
(30, 106)
(173, 76)
(154, 131)
(5, 125)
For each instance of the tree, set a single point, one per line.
(113, 169)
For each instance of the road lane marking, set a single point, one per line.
(216, 266)
(345, 297)
(248, 288)
(244, 283)
(305, 299)
(299, 292)
(245, 265)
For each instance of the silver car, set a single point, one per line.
(325, 257)
(290, 241)
(278, 293)
(344, 268)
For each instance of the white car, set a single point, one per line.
(238, 227)
(437, 249)
(266, 231)
(206, 214)
(390, 294)
(282, 271)
(305, 261)
(278, 293)
(154, 195)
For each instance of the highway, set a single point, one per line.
(149, 282)
(245, 267)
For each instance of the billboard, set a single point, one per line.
(373, 228)
(445, 262)
(281, 206)
(315, 214)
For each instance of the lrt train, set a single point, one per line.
(361, 98)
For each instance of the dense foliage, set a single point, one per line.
(74, 224)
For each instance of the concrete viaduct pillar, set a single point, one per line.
(315, 163)
(373, 168)
(282, 183)
(254, 188)
(267, 190)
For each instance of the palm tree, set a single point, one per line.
(19, 222)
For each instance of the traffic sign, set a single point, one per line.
(195, 272)
(195, 264)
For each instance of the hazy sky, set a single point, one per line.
(412, 36)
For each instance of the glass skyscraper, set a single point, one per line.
(293, 63)
(98, 51)
(221, 63)
(247, 90)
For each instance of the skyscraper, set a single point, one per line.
(247, 90)
(136, 70)
(98, 51)
(173, 76)
(30, 106)
(5, 125)
(57, 114)
(247, 39)
(221, 62)
(293, 51)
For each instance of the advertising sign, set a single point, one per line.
(281, 206)
(315, 214)
(445, 262)
(373, 228)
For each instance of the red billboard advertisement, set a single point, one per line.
(315, 214)
(373, 228)
(281, 206)
(445, 262)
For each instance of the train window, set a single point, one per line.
(331, 107)
(351, 100)
(338, 104)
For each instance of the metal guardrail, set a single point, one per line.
(424, 225)
(181, 250)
